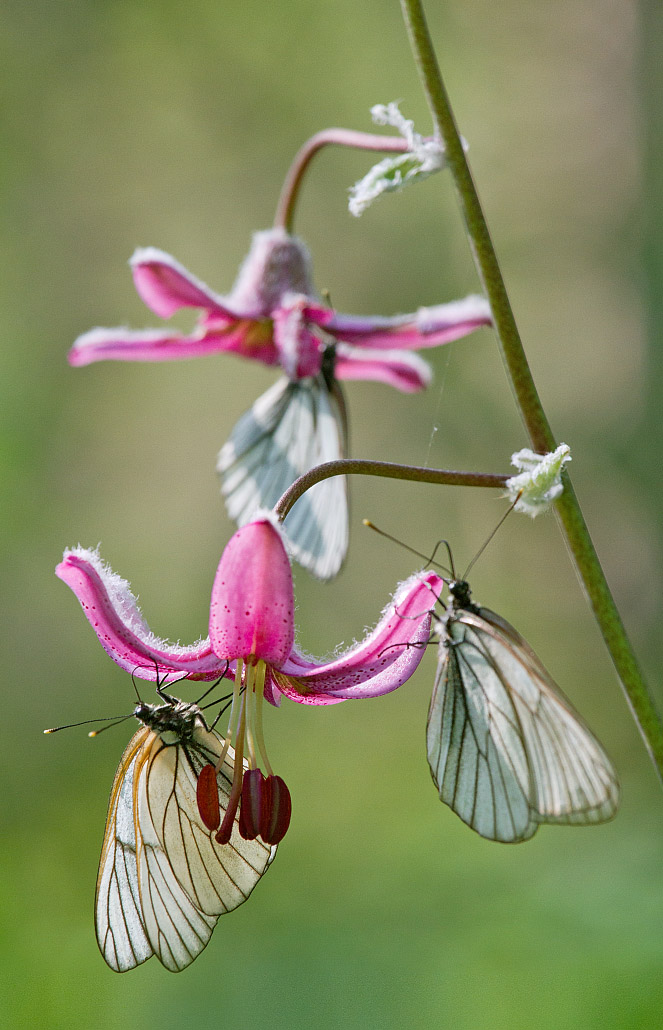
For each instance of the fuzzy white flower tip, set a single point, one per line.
(540, 480)
(421, 159)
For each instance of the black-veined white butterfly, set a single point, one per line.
(290, 429)
(506, 750)
(163, 879)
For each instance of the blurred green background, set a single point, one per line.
(150, 122)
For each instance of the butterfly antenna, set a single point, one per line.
(429, 559)
(486, 542)
(95, 733)
(86, 722)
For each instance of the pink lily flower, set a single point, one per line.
(274, 315)
(251, 639)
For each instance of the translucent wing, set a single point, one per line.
(163, 880)
(506, 749)
(291, 428)
(118, 911)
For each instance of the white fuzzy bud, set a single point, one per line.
(421, 159)
(539, 481)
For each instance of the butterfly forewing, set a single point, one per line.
(118, 911)
(290, 429)
(506, 749)
(163, 879)
(476, 757)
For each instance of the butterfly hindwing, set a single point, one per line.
(118, 911)
(163, 879)
(290, 429)
(477, 759)
(506, 750)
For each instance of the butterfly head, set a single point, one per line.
(461, 595)
(174, 721)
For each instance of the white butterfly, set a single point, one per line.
(291, 428)
(506, 750)
(163, 880)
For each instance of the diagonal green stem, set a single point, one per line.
(527, 399)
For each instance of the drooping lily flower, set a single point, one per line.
(251, 638)
(274, 315)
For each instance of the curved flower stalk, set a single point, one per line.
(251, 639)
(273, 315)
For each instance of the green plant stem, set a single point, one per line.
(582, 549)
(386, 469)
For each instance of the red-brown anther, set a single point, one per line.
(207, 795)
(275, 810)
(224, 833)
(250, 811)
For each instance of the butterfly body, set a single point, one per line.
(507, 751)
(175, 722)
(163, 879)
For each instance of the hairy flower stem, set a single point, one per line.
(285, 211)
(387, 469)
(574, 526)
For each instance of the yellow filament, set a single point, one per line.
(260, 693)
(250, 714)
(234, 715)
(238, 771)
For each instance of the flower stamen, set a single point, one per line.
(260, 693)
(225, 831)
(263, 800)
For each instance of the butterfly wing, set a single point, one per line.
(290, 429)
(118, 910)
(180, 879)
(507, 751)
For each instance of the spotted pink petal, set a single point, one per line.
(381, 663)
(112, 611)
(407, 372)
(427, 327)
(166, 286)
(252, 608)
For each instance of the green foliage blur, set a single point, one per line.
(150, 122)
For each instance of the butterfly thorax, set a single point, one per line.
(460, 597)
(175, 722)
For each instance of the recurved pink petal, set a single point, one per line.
(149, 345)
(112, 611)
(427, 327)
(252, 608)
(382, 662)
(166, 286)
(407, 372)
